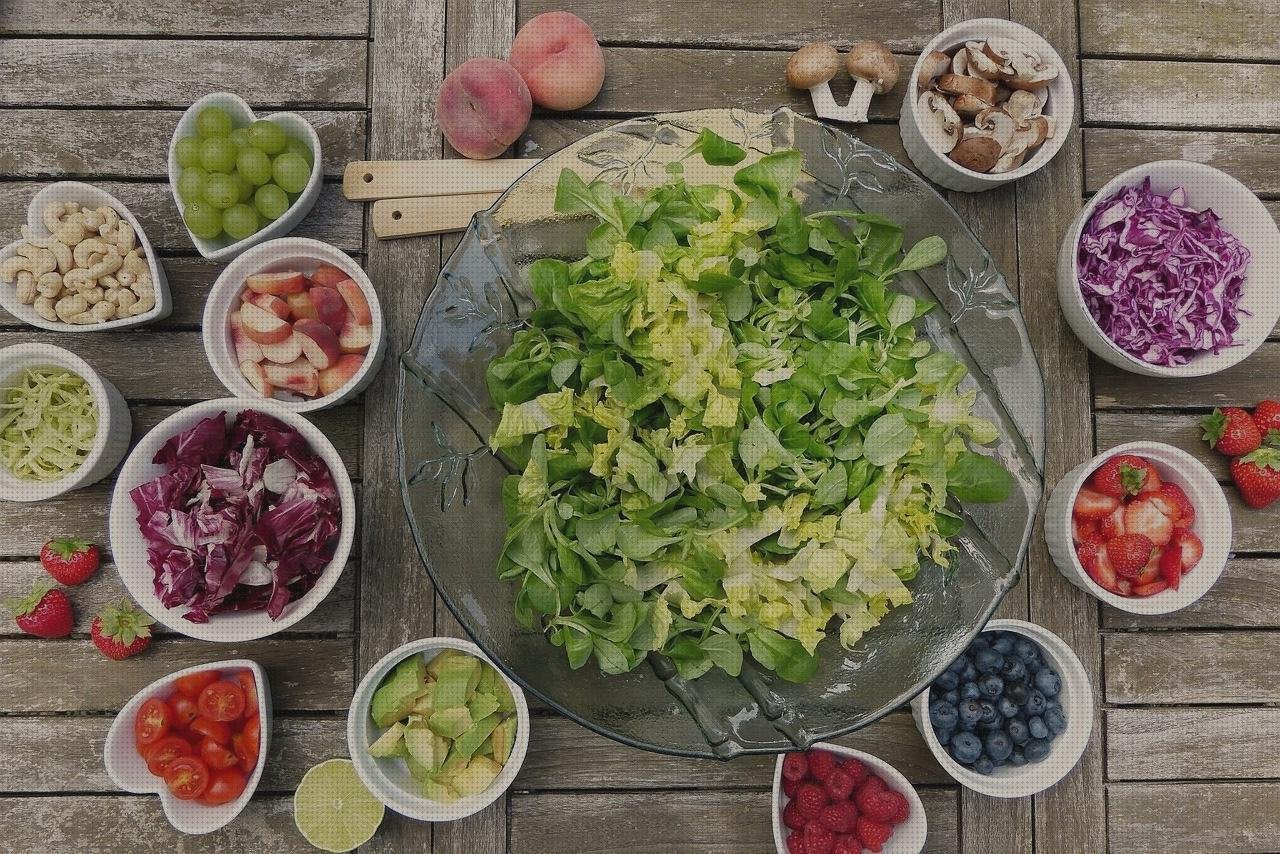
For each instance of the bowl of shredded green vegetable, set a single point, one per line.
(62, 426)
(721, 433)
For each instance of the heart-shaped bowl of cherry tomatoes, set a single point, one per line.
(198, 738)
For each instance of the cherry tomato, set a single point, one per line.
(216, 756)
(221, 701)
(164, 751)
(187, 777)
(152, 722)
(193, 683)
(225, 787)
(184, 710)
(216, 730)
(246, 744)
(250, 688)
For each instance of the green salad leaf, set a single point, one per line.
(730, 437)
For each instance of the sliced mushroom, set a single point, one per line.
(939, 123)
(1022, 105)
(979, 153)
(981, 65)
(934, 64)
(1035, 129)
(1030, 75)
(1001, 50)
(970, 105)
(1008, 162)
(960, 62)
(1000, 124)
(954, 84)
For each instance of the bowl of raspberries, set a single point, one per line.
(836, 800)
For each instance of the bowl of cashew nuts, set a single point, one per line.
(83, 264)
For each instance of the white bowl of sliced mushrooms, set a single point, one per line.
(988, 102)
(83, 264)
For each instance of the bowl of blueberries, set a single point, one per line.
(1012, 715)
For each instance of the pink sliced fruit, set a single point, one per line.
(256, 374)
(268, 302)
(1190, 549)
(298, 376)
(319, 344)
(355, 339)
(301, 306)
(279, 284)
(357, 303)
(1094, 505)
(331, 308)
(288, 350)
(263, 326)
(1144, 516)
(327, 275)
(247, 350)
(334, 378)
(1103, 572)
(1112, 526)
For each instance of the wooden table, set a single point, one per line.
(1183, 755)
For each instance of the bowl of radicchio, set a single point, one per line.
(1172, 270)
(232, 520)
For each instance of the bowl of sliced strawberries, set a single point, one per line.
(1144, 527)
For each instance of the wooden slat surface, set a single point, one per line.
(1245, 384)
(1250, 157)
(1195, 818)
(220, 20)
(1164, 668)
(1181, 94)
(1192, 744)
(1247, 596)
(1217, 29)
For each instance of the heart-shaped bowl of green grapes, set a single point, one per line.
(239, 179)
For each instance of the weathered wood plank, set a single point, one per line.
(709, 822)
(64, 754)
(1198, 94)
(52, 675)
(162, 73)
(1247, 596)
(1250, 157)
(178, 18)
(1195, 818)
(1245, 384)
(904, 25)
(1201, 667)
(1182, 430)
(333, 220)
(1192, 744)
(1211, 29)
(134, 143)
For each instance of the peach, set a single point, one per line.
(298, 376)
(301, 306)
(342, 372)
(355, 338)
(268, 302)
(247, 350)
(328, 275)
(263, 326)
(278, 284)
(560, 61)
(288, 350)
(319, 344)
(483, 107)
(257, 377)
(353, 295)
(331, 308)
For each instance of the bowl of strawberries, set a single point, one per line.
(1145, 527)
(843, 801)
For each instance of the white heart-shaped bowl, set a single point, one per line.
(389, 779)
(129, 547)
(286, 253)
(128, 770)
(224, 249)
(115, 425)
(92, 197)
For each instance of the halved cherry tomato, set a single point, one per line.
(164, 751)
(187, 777)
(221, 701)
(225, 787)
(152, 722)
(250, 688)
(193, 683)
(216, 756)
(216, 730)
(246, 744)
(184, 710)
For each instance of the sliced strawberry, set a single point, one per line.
(1112, 526)
(1151, 589)
(1171, 565)
(1185, 516)
(1144, 516)
(1153, 483)
(1088, 554)
(1151, 571)
(1129, 553)
(1189, 549)
(1103, 572)
(1124, 587)
(1094, 505)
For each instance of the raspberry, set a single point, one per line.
(794, 767)
(839, 785)
(810, 799)
(877, 803)
(839, 817)
(818, 840)
(873, 834)
(793, 818)
(903, 811)
(821, 764)
(856, 770)
(789, 787)
(847, 844)
(871, 784)
(795, 844)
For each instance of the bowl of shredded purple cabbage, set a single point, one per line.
(231, 520)
(1171, 271)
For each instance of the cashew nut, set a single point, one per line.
(12, 266)
(126, 238)
(108, 264)
(93, 295)
(103, 311)
(26, 287)
(110, 219)
(92, 220)
(125, 299)
(69, 307)
(145, 303)
(143, 285)
(78, 279)
(134, 263)
(109, 282)
(84, 318)
(125, 279)
(42, 260)
(86, 250)
(64, 225)
(44, 308)
(50, 285)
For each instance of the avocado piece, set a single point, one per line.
(478, 776)
(416, 768)
(425, 704)
(388, 744)
(438, 791)
(506, 702)
(469, 742)
(421, 747)
(398, 692)
(502, 739)
(450, 723)
(442, 746)
(488, 679)
(452, 766)
(482, 705)
(453, 684)
(442, 658)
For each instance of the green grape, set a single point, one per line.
(191, 184)
(240, 136)
(246, 187)
(300, 148)
(291, 172)
(188, 151)
(254, 166)
(204, 220)
(213, 122)
(218, 154)
(240, 221)
(221, 190)
(271, 201)
(267, 136)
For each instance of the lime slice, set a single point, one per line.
(333, 809)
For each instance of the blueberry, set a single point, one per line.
(1018, 692)
(990, 715)
(943, 735)
(952, 697)
(1007, 707)
(1055, 704)
(1056, 721)
(947, 681)
(988, 661)
(1048, 682)
(998, 746)
(1038, 728)
(1026, 651)
(1036, 750)
(970, 673)
(958, 664)
(969, 691)
(943, 714)
(978, 643)
(984, 766)
(1013, 670)
(991, 686)
(1018, 732)
(1003, 645)
(1035, 704)
(1035, 667)
(970, 712)
(965, 748)
(1017, 757)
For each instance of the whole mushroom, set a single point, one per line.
(875, 69)
(812, 67)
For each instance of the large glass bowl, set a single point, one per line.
(451, 482)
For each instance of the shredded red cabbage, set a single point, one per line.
(1162, 279)
(245, 517)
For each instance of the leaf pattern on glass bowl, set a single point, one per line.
(451, 470)
(977, 289)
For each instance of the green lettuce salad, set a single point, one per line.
(731, 437)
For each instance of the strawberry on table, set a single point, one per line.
(45, 613)
(121, 631)
(70, 560)
(1257, 476)
(1122, 475)
(1267, 416)
(1231, 431)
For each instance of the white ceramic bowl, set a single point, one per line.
(89, 196)
(389, 779)
(287, 253)
(1077, 701)
(224, 248)
(115, 425)
(1060, 106)
(1242, 215)
(129, 771)
(1213, 527)
(129, 547)
(908, 837)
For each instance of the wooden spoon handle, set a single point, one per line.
(367, 180)
(427, 215)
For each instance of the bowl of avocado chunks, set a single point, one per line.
(437, 732)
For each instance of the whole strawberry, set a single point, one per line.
(46, 613)
(1257, 476)
(69, 560)
(1267, 416)
(121, 631)
(1231, 431)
